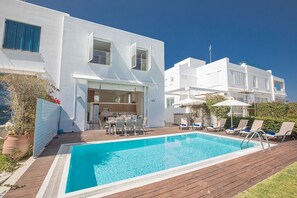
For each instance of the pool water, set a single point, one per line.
(97, 164)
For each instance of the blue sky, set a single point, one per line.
(262, 33)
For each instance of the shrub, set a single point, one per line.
(292, 109)
(272, 109)
(219, 112)
(23, 92)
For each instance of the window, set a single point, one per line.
(169, 102)
(101, 52)
(260, 100)
(266, 84)
(255, 82)
(238, 78)
(140, 59)
(21, 36)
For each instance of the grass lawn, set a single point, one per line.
(282, 184)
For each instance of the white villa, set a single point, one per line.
(95, 67)
(193, 78)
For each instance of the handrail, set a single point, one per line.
(260, 133)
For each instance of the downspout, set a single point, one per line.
(74, 102)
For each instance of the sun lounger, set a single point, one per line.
(219, 127)
(241, 126)
(197, 124)
(257, 125)
(183, 123)
(285, 130)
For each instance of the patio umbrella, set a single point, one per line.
(231, 103)
(189, 102)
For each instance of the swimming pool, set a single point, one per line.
(101, 164)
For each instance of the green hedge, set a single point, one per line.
(292, 111)
(276, 109)
(272, 109)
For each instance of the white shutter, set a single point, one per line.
(149, 59)
(133, 55)
(91, 46)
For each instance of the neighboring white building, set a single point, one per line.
(194, 78)
(95, 67)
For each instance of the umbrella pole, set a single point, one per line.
(231, 117)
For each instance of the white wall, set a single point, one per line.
(75, 60)
(172, 73)
(169, 113)
(64, 51)
(219, 67)
(51, 23)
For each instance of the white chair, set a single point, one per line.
(241, 126)
(197, 124)
(257, 125)
(184, 123)
(219, 127)
(285, 130)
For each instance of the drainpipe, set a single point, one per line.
(74, 102)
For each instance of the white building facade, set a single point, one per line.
(95, 67)
(194, 78)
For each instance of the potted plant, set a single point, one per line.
(23, 93)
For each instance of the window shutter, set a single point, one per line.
(149, 65)
(133, 55)
(91, 46)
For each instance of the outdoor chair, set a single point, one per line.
(144, 125)
(183, 123)
(241, 126)
(257, 125)
(129, 127)
(119, 126)
(285, 130)
(219, 127)
(197, 124)
(139, 127)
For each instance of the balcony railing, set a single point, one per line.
(282, 90)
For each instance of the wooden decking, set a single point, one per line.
(222, 180)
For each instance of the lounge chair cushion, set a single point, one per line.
(232, 128)
(247, 130)
(196, 124)
(270, 132)
(183, 125)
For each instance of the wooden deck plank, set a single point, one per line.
(277, 155)
(222, 180)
